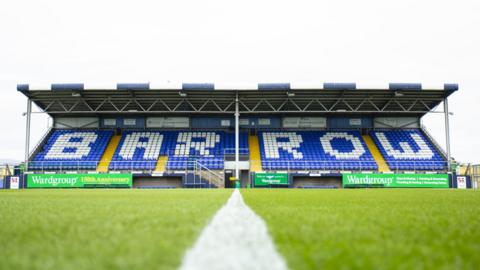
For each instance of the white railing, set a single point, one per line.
(322, 165)
(434, 142)
(231, 151)
(193, 165)
(40, 142)
(208, 175)
(43, 166)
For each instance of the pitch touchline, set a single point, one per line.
(236, 238)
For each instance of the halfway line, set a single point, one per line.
(236, 238)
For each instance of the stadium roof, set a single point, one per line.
(263, 98)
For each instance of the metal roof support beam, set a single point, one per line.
(258, 104)
(373, 105)
(321, 104)
(283, 104)
(360, 105)
(152, 105)
(166, 106)
(100, 105)
(348, 105)
(400, 105)
(27, 133)
(230, 105)
(447, 132)
(426, 106)
(250, 101)
(87, 105)
(126, 105)
(413, 105)
(74, 105)
(335, 104)
(49, 105)
(243, 104)
(212, 102)
(178, 105)
(116, 108)
(308, 105)
(294, 104)
(189, 103)
(244, 112)
(270, 105)
(386, 105)
(216, 105)
(139, 105)
(237, 139)
(204, 104)
(63, 106)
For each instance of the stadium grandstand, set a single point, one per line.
(212, 135)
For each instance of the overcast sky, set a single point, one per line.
(369, 41)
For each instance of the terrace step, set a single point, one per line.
(381, 163)
(161, 164)
(108, 154)
(255, 159)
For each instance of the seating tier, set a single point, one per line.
(321, 150)
(408, 150)
(72, 150)
(141, 149)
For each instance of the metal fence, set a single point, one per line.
(319, 165)
(5, 170)
(475, 176)
(398, 166)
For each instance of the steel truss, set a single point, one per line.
(247, 105)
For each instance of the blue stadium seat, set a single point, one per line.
(408, 150)
(140, 150)
(72, 150)
(315, 150)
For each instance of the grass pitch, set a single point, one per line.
(313, 229)
(102, 229)
(372, 229)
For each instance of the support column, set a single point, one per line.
(447, 131)
(237, 139)
(27, 136)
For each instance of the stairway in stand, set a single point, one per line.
(381, 163)
(108, 154)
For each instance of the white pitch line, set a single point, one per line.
(235, 239)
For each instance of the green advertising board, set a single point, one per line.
(266, 179)
(396, 180)
(78, 180)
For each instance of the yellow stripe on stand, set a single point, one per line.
(108, 154)
(382, 165)
(254, 148)
(161, 164)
